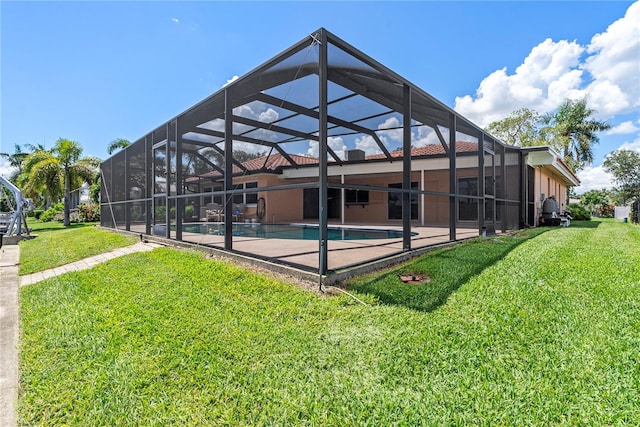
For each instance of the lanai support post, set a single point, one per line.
(179, 200)
(228, 170)
(322, 168)
(481, 213)
(452, 177)
(148, 182)
(127, 205)
(167, 191)
(406, 169)
(503, 187)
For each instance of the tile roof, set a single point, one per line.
(430, 150)
(274, 161)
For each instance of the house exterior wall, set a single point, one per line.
(546, 184)
(282, 206)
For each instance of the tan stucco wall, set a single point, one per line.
(550, 184)
(287, 205)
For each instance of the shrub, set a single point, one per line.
(579, 212)
(88, 212)
(606, 211)
(50, 213)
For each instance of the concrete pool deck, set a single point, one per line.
(342, 254)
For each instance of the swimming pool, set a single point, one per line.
(291, 231)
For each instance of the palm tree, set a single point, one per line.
(117, 144)
(48, 172)
(38, 180)
(15, 160)
(572, 130)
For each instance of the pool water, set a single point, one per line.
(292, 231)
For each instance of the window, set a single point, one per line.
(247, 199)
(356, 197)
(395, 202)
(467, 206)
(251, 198)
(237, 199)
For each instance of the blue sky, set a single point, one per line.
(96, 71)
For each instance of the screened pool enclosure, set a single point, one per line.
(317, 136)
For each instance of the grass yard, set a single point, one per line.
(58, 245)
(511, 331)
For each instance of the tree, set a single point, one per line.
(94, 187)
(54, 172)
(38, 181)
(624, 166)
(594, 199)
(117, 144)
(519, 128)
(243, 156)
(15, 160)
(572, 131)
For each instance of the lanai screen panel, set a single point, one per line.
(514, 195)
(106, 188)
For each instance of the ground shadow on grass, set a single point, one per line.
(447, 269)
(43, 227)
(585, 224)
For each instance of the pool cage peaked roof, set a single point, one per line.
(321, 95)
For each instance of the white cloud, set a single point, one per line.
(395, 130)
(623, 128)
(175, 20)
(554, 71)
(256, 110)
(547, 76)
(5, 168)
(615, 64)
(231, 80)
(367, 144)
(336, 144)
(633, 146)
(593, 178)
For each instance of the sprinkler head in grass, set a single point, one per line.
(414, 279)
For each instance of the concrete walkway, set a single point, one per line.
(86, 263)
(9, 310)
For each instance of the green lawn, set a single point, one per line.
(511, 331)
(58, 245)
